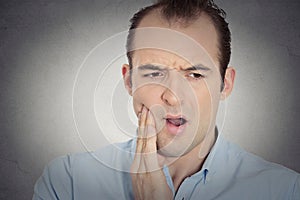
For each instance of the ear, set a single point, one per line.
(127, 78)
(228, 82)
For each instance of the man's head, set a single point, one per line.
(186, 12)
(176, 54)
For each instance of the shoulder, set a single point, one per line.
(105, 156)
(54, 180)
(80, 169)
(110, 156)
(249, 162)
(263, 175)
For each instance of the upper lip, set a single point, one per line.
(169, 116)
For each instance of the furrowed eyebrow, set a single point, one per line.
(150, 67)
(159, 68)
(197, 67)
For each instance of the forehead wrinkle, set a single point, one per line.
(161, 61)
(155, 57)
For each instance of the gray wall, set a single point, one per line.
(43, 44)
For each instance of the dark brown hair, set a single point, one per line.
(189, 10)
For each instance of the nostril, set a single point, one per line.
(170, 98)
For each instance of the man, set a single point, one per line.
(178, 53)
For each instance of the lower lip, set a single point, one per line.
(175, 130)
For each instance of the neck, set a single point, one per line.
(192, 162)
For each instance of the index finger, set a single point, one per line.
(146, 141)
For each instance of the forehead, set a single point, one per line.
(166, 59)
(201, 31)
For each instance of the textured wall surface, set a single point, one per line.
(43, 43)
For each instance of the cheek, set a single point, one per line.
(147, 95)
(204, 101)
(204, 106)
(208, 101)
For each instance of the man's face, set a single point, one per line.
(180, 86)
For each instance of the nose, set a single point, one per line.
(172, 93)
(170, 98)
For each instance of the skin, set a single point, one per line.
(182, 92)
(148, 185)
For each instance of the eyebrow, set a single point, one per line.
(159, 68)
(197, 67)
(150, 67)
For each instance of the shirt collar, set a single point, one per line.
(207, 167)
(208, 162)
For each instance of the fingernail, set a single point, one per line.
(144, 109)
(149, 115)
(141, 111)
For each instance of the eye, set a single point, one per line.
(154, 75)
(195, 75)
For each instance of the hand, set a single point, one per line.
(148, 179)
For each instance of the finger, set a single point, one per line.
(141, 130)
(150, 150)
(143, 116)
(138, 164)
(150, 125)
(150, 132)
(147, 145)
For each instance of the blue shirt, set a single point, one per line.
(229, 173)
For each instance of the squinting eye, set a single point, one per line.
(195, 75)
(154, 75)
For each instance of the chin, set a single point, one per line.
(173, 150)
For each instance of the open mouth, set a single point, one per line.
(175, 125)
(176, 121)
